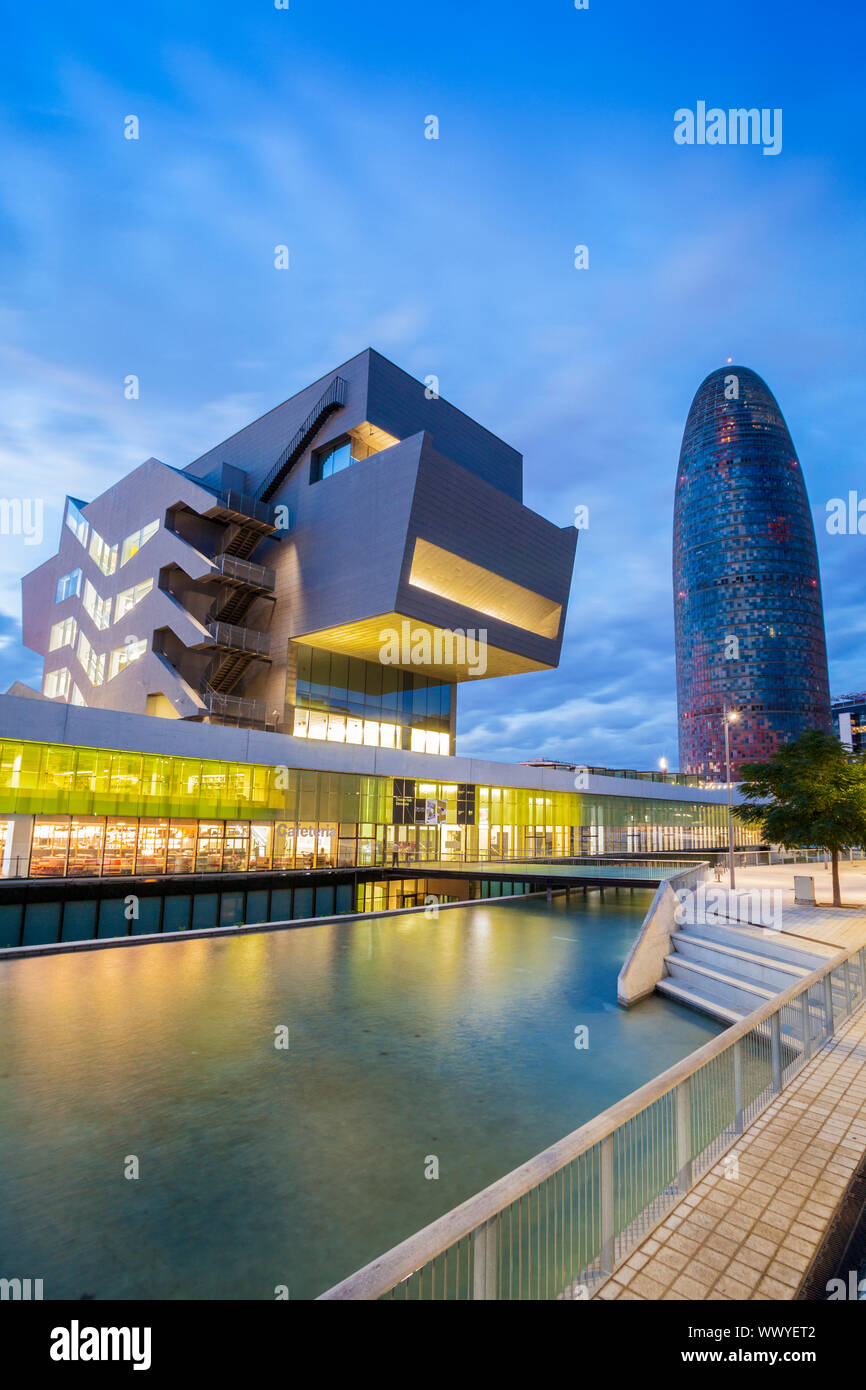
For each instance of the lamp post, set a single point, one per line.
(729, 717)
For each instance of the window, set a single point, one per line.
(122, 657)
(69, 586)
(76, 522)
(363, 441)
(98, 608)
(94, 665)
(77, 697)
(104, 554)
(57, 684)
(332, 460)
(63, 634)
(133, 543)
(127, 600)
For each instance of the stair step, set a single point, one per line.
(674, 990)
(780, 947)
(743, 964)
(743, 994)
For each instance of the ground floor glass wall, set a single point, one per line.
(123, 846)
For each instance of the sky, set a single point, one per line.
(454, 257)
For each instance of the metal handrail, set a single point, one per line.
(243, 504)
(239, 639)
(233, 567)
(480, 1223)
(218, 703)
(331, 399)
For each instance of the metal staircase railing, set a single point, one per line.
(332, 399)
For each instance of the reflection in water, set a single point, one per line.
(409, 1036)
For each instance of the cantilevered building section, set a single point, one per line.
(331, 571)
(747, 591)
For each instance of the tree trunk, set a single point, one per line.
(837, 892)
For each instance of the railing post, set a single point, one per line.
(848, 1001)
(484, 1261)
(684, 1135)
(828, 1003)
(807, 1025)
(738, 1086)
(606, 1203)
(776, 1045)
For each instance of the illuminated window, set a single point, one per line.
(98, 608)
(318, 727)
(76, 522)
(127, 600)
(336, 728)
(104, 554)
(302, 719)
(94, 665)
(69, 586)
(122, 657)
(133, 543)
(77, 698)
(57, 684)
(364, 441)
(63, 634)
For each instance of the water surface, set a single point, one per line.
(409, 1039)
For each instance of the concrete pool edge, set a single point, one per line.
(52, 948)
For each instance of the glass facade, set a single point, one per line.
(346, 700)
(849, 720)
(101, 813)
(747, 591)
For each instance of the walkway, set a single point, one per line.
(843, 927)
(752, 1226)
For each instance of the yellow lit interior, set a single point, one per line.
(364, 639)
(450, 576)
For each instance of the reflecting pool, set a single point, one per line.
(409, 1039)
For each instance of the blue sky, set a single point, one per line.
(453, 257)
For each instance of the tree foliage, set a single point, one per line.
(812, 791)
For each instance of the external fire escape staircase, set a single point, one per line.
(249, 519)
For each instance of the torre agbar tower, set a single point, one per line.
(747, 591)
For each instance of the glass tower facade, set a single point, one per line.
(747, 591)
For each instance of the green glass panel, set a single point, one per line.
(41, 923)
(79, 921)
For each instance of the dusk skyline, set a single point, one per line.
(453, 257)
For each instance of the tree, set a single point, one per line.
(812, 791)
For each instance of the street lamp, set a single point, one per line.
(663, 764)
(730, 716)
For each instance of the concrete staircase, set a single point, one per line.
(725, 969)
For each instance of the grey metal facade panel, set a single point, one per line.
(385, 395)
(257, 446)
(343, 559)
(46, 721)
(463, 514)
(398, 404)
